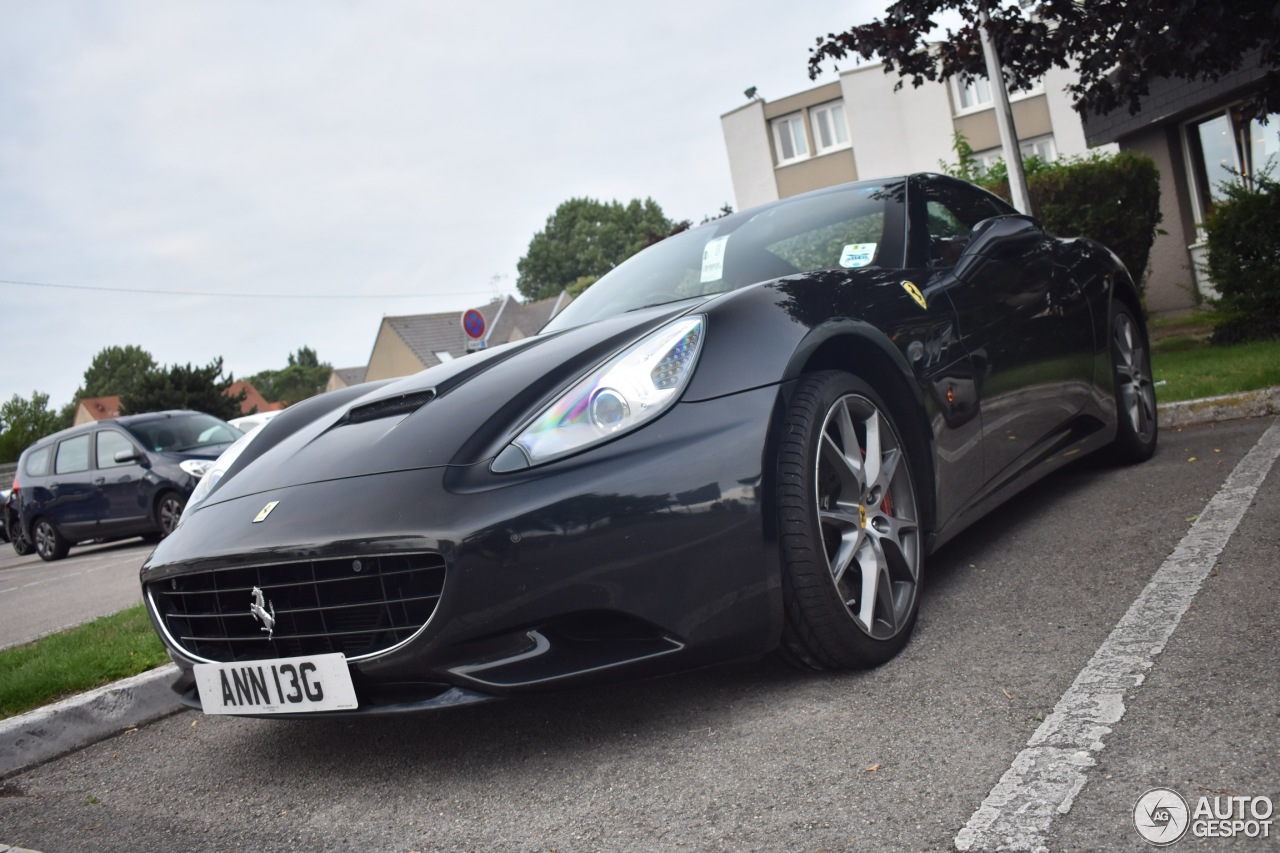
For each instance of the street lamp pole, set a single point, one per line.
(1004, 114)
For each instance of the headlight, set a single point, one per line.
(196, 467)
(213, 473)
(629, 390)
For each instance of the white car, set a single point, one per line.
(248, 422)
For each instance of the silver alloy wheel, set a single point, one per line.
(46, 539)
(868, 516)
(170, 512)
(1137, 392)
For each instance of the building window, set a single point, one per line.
(1227, 147)
(1038, 146)
(974, 93)
(829, 128)
(789, 139)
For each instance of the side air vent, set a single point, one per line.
(390, 407)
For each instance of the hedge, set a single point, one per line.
(1244, 261)
(1112, 199)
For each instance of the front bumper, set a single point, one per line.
(651, 553)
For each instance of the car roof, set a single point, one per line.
(122, 420)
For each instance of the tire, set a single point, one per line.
(851, 543)
(21, 544)
(49, 543)
(1137, 418)
(168, 513)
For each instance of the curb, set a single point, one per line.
(1247, 404)
(55, 730)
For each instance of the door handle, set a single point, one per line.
(98, 481)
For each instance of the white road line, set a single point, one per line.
(1046, 777)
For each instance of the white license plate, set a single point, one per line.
(277, 686)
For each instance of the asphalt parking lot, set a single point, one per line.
(915, 755)
(38, 598)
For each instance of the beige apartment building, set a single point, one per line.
(859, 127)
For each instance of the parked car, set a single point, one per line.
(114, 478)
(248, 422)
(745, 438)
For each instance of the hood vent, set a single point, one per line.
(389, 407)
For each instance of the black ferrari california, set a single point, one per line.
(745, 438)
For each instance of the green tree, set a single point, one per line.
(184, 387)
(1118, 46)
(115, 371)
(23, 422)
(303, 377)
(586, 238)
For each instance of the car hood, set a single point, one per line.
(462, 412)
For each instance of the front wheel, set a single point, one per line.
(852, 547)
(50, 544)
(169, 513)
(1137, 423)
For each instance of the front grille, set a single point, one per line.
(358, 606)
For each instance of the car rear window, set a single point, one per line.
(37, 464)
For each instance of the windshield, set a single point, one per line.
(183, 432)
(857, 226)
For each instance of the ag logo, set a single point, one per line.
(1161, 816)
(915, 294)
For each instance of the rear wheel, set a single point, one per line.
(49, 543)
(852, 549)
(21, 544)
(1137, 422)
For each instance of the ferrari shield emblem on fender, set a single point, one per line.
(915, 294)
(266, 510)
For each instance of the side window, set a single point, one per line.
(73, 455)
(952, 210)
(110, 443)
(38, 462)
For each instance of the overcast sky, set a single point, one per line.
(402, 152)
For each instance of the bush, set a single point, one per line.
(1112, 199)
(1244, 261)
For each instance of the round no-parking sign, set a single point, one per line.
(473, 323)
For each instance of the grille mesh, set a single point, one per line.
(354, 605)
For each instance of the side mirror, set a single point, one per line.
(123, 456)
(996, 238)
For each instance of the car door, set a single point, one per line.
(74, 504)
(121, 483)
(1022, 324)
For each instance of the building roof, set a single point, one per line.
(1170, 99)
(427, 334)
(506, 320)
(96, 409)
(352, 375)
(253, 400)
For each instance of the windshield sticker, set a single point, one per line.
(857, 255)
(713, 259)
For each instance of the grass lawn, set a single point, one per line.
(1189, 367)
(77, 660)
